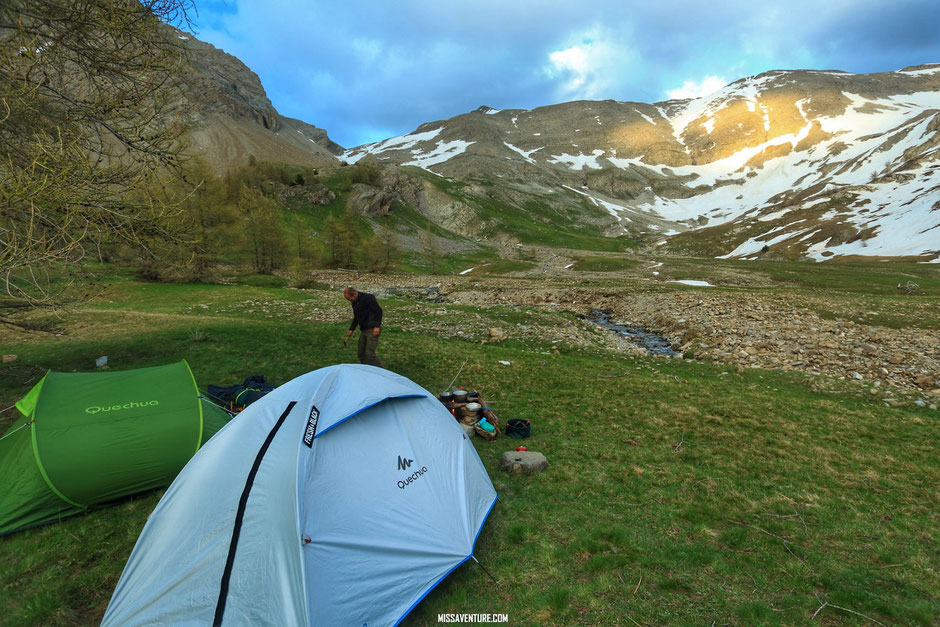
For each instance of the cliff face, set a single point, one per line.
(230, 117)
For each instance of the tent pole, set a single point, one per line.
(455, 378)
(474, 558)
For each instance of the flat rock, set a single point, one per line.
(523, 462)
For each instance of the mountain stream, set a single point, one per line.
(651, 342)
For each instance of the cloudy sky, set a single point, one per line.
(366, 70)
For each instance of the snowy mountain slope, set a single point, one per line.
(808, 163)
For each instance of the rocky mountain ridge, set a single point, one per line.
(230, 117)
(799, 163)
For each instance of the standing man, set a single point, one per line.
(368, 316)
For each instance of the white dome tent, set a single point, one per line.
(341, 498)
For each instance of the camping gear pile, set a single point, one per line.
(88, 438)
(235, 398)
(472, 412)
(341, 498)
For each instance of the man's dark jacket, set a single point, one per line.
(366, 312)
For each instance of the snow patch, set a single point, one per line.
(443, 152)
(402, 142)
(579, 161)
(930, 70)
(525, 153)
(773, 216)
(692, 282)
(646, 117)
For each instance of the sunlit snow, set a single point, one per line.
(443, 152)
(402, 142)
(579, 161)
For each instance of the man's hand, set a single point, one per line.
(376, 331)
(346, 339)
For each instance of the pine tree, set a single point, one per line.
(431, 249)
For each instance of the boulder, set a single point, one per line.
(523, 462)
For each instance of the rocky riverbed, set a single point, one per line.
(745, 329)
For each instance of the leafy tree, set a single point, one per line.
(331, 235)
(210, 220)
(367, 174)
(85, 118)
(308, 249)
(381, 251)
(265, 240)
(348, 240)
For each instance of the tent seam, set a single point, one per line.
(362, 409)
(192, 378)
(240, 516)
(42, 469)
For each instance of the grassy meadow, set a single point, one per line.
(679, 492)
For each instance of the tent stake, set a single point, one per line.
(474, 558)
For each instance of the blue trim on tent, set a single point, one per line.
(438, 582)
(477, 537)
(359, 411)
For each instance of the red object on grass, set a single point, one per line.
(521, 448)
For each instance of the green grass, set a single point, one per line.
(678, 492)
(604, 264)
(861, 277)
(533, 221)
(261, 280)
(537, 223)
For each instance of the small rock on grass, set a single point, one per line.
(523, 462)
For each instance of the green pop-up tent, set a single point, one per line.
(89, 438)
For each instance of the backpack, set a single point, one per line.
(518, 428)
(234, 398)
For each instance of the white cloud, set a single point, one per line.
(382, 67)
(691, 89)
(591, 67)
(573, 60)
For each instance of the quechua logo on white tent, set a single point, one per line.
(405, 464)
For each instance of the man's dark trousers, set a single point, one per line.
(368, 344)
